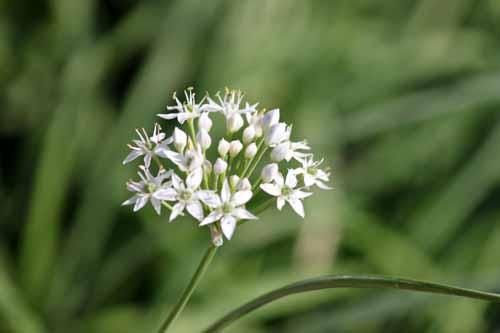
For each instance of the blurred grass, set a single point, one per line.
(401, 97)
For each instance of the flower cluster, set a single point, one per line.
(252, 165)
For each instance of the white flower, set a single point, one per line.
(185, 195)
(220, 166)
(204, 139)
(270, 118)
(204, 122)
(234, 123)
(223, 147)
(276, 134)
(251, 151)
(312, 174)
(191, 160)
(180, 139)
(188, 110)
(146, 189)
(228, 208)
(235, 147)
(254, 120)
(285, 191)
(148, 146)
(288, 150)
(269, 172)
(248, 134)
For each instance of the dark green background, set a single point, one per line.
(402, 97)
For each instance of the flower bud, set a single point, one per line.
(248, 134)
(217, 238)
(220, 166)
(204, 122)
(276, 134)
(234, 180)
(234, 123)
(270, 118)
(235, 148)
(251, 151)
(207, 167)
(244, 185)
(269, 172)
(223, 147)
(180, 139)
(279, 152)
(204, 139)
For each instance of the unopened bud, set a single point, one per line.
(205, 122)
(276, 134)
(270, 118)
(279, 152)
(234, 123)
(180, 139)
(223, 147)
(220, 166)
(251, 151)
(269, 172)
(235, 147)
(248, 134)
(234, 180)
(204, 139)
(244, 185)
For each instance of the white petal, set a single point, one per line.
(156, 205)
(168, 194)
(162, 151)
(280, 203)
(271, 189)
(183, 116)
(142, 200)
(130, 201)
(291, 179)
(177, 210)
(241, 198)
(132, 156)
(226, 191)
(323, 186)
(308, 180)
(195, 209)
(176, 158)
(168, 116)
(176, 182)
(297, 206)
(228, 225)
(193, 180)
(278, 179)
(147, 160)
(301, 194)
(209, 198)
(244, 214)
(211, 218)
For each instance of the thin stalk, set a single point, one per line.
(329, 282)
(186, 295)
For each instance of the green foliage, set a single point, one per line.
(401, 96)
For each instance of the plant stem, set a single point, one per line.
(329, 282)
(186, 295)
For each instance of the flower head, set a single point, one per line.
(245, 173)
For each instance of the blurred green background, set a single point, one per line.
(401, 96)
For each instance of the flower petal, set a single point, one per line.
(291, 179)
(195, 209)
(168, 194)
(323, 186)
(194, 179)
(130, 201)
(209, 198)
(156, 205)
(228, 225)
(301, 194)
(280, 203)
(211, 218)
(309, 180)
(141, 201)
(297, 206)
(176, 210)
(132, 156)
(243, 214)
(271, 189)
(168, 116)
(226, 191)
(241, 197)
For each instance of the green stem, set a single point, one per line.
(329, 282)
(186, 295)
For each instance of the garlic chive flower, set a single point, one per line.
(244, 174)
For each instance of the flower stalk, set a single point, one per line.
(188, 292)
